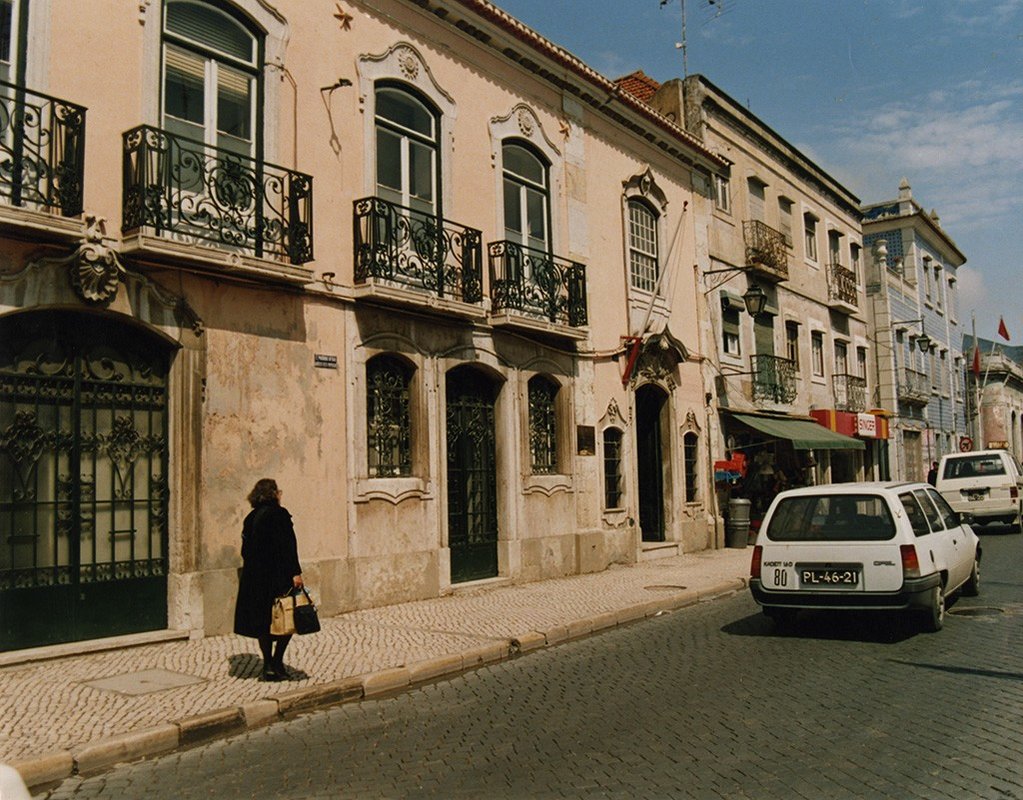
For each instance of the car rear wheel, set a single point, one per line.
(934, 614)
(972, 586)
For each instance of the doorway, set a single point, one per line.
(83, 479)
(651, 402)
(472, 475)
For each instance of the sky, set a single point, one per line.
(872, 90)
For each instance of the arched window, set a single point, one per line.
(211, 69)
(612, 468)
(526, 197)
(543, 428)
(406, 149)
(388, 417)
(643, 251)
(691, 465)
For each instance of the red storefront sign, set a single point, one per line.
(862, 426)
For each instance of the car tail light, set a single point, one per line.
(754, 566)
(1013, 492)
(910, 562)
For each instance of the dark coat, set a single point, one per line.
(269, 563)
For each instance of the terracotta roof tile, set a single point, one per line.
(639, 85)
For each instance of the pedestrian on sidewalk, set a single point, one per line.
(270, 569)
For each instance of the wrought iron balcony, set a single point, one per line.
(537, 284)
(766, 253)
(842, 288)
(774, 378)
(417, 251)
(850, 392)
(42, 150)
(914, 387)
(191, 191)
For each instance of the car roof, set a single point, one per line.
(974, 453)
(855, 487)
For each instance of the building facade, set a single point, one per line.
(791, 381)
(994, 396)
(913, 305)
(415, 262)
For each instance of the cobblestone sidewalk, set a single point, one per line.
(84, 713)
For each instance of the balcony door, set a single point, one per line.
(11, 48)
(210, 76)
(526, 197)
(211, 147)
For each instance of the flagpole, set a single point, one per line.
(977, 388)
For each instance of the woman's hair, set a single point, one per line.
(263, 493)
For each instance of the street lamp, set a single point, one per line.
(923, 341)
(755, 299)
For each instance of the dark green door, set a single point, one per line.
(83, 479)
(650, 401)
(472, 476)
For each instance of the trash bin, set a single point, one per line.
(737, 526)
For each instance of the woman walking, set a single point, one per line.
(269, 569)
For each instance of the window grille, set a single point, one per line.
(612, 468)
(543, 432)
(389, 426)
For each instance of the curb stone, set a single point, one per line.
(44, 771)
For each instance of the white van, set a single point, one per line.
(987, 484)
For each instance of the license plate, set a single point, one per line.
(827, 577)
(977, 494)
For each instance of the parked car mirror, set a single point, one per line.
(966, 518)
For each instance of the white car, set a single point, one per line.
(984, 483)
(863, 546)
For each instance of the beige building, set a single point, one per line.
(412, 260)
(783, 240)
(995, 390)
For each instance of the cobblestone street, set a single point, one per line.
(705, 702)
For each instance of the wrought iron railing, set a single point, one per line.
(417, 251)
(765, 250)
(774, 378)
(537, 284)
(841, 284)
(184, 188)
(42, 150)
(850, 392)
(914, 387)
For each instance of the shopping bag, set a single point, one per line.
(306, 619)
(293, 613)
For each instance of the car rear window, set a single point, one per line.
(831, 518)
(972, 467)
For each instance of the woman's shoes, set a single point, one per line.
(271, 675)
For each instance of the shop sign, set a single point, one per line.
(997, 444)
(866, 425)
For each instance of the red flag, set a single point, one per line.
(976, 361)
(1002, 330)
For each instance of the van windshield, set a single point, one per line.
(831, 518)
(972, 467)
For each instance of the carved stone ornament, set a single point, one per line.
(95, 273)
(614, 415)
(525, 120)
(408, 63)
(94, 268)
(691, 423)
(657, 366)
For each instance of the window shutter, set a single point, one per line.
(211, 28)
